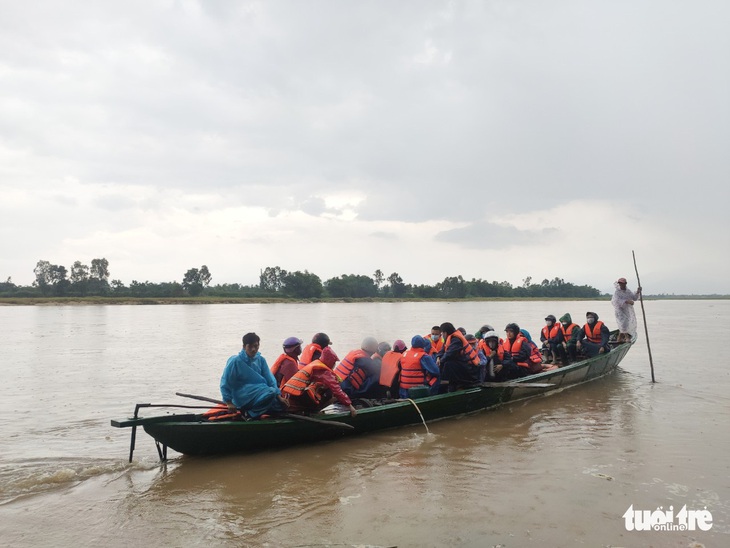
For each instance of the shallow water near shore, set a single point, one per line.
(560, 470)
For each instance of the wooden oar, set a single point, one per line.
(643, 313)
(285, 415)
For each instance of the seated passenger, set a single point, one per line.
(314, 350)
(286, 365)
(474, 342)
(570, 337)
(247, 383)
(552, 341)
(436, 339)
(458, 360)
(516, 354)
(390, 372)
(418, 368)
(383, 347)
(315, 386)
(479, 334)
(593, 336)
(491, 348)
(535, 360)
(359, 374)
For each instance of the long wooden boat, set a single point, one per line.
(193, 434)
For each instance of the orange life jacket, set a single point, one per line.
(389, 367)
(466, 349)
(535, 359)
(346, 369)
(514, 348)
(412, 374)
(435, 346)
(221, 413)
(277, 365)
(594, 334)
(308, 354)
(568, 333)
(301, 382)
(552, 332)
(484, 347)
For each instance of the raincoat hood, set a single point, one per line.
(566, 318)
(418, 342)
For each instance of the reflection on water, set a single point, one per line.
(556, 470)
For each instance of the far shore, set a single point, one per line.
(76, 301)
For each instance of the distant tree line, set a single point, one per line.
(274, 282)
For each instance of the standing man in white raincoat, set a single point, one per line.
(623, 304)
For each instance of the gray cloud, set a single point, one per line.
(431, 110)
(485, 235)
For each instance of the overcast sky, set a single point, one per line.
(493, 139)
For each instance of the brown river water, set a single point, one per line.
(561, 470)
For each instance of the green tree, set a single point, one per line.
(59, 280)
(79, 273)
(272, 278)
(43, 279)
(99, 269)
(195, 280)
(351, 286)
(397, 287)
(453, 287)
(302, 285)
(379, 278)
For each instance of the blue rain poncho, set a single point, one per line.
(249, 384)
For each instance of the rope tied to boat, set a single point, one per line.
(421, 414)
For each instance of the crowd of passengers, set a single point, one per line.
(306, 378)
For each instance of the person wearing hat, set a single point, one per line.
(491, 347)
(552, 341)
(516, 353)
(458, 360)
(570, 337)
(314, 350)
(479, 333)
(315, 386)
(286, 365)
(623, 304)
(418, 368)
(593, 336)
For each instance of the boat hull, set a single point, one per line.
(193, 435)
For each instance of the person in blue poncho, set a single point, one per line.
(248, 384)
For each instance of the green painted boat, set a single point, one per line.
(193, 434)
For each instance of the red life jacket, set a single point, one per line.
(346, 369)
(277, 365)
(552, 333)
(514, 348)
(301, 382)
(389, 367)
(568, 333)
(308, 354)
(467, 349)
(594, 335)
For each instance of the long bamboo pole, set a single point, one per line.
(643, 313)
